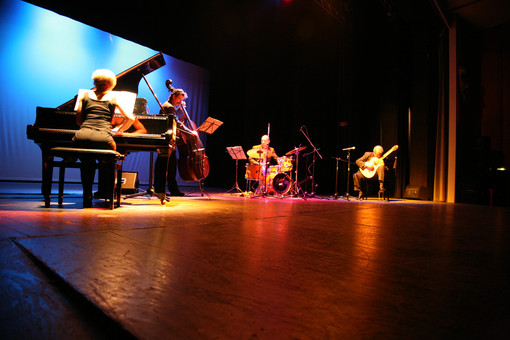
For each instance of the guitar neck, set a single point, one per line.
(386, 154)
(395, 147)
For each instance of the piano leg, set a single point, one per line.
(47, 177)
(61, 177)
(118, 187)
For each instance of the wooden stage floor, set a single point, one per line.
(230, 267)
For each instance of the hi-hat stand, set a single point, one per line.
(297, 191)
(261, 190)
(237, 153)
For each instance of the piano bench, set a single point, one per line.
(88, 159)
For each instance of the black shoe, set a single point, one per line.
(362, 196)
(177, 193)
(100, 195)
(162, 196)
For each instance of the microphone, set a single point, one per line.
(183, 103)
(351, 148)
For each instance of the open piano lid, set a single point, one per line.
(128, 80)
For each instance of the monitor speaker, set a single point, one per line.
(129, 182)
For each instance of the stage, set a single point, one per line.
(231, 267)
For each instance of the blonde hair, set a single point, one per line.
(104, 79)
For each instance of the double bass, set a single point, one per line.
(193, 163)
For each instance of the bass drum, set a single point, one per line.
(278, 183)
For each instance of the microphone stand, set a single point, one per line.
(348, 173)
(315, 150)
(335, 196)
(171, 148)
(347, 195)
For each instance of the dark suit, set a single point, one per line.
(358, 176)
(165, 167)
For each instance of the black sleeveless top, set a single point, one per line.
(97, 114)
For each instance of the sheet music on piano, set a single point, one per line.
(125, 99)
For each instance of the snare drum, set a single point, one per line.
(278, 183)
(285, 163)
(252, 172)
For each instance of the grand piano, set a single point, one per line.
(56, 127)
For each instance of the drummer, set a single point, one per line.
(257, 155)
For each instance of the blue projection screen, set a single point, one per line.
(45, 58)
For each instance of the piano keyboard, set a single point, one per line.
(126, 134)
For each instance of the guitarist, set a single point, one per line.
(370, 161)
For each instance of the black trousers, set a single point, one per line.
(162, 177)
(358, 177)
(106, 176)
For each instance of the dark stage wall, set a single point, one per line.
(371, 78)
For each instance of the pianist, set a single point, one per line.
(94, 115)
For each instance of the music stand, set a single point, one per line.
(210, 125)
(237, 153)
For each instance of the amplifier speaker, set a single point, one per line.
(129, 182)
(416, 192)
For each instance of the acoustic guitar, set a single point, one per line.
(370, 168)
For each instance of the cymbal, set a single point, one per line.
(293, 151)
(256, 153)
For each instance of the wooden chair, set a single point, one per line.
(371, 186)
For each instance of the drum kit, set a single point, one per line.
(274, 179)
